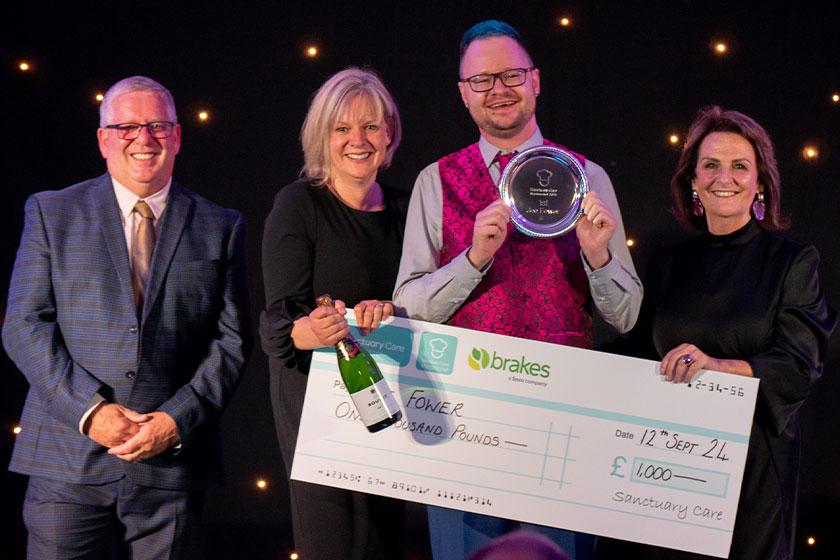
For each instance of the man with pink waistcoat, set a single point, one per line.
(465, 265)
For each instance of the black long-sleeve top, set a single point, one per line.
(755, 296)
(314, 244)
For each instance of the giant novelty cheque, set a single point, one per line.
(537, 432)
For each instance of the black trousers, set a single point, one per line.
(331, 522)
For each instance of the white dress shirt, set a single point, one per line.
(131, 221)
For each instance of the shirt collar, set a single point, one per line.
(127, 199)
(489, 151)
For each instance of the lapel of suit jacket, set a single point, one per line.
(174, 218)
(104, 207)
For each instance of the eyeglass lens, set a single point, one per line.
(130, 131)
(485, 82)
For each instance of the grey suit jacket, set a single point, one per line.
(72, 329)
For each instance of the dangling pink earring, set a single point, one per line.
(696, 205)
(758, 206)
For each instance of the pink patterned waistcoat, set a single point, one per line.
(535, 288)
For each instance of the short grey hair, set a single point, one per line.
(329, 103)
(129, 85)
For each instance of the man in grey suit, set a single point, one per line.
(128, 315)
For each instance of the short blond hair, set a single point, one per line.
(329, 103)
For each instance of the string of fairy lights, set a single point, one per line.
(719, 47)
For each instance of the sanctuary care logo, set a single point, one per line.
(480, 359)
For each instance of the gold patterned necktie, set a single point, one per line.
(142, 248)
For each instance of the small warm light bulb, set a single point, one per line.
(262, 484)
(630, 242)
(674, 139)
(16, 430)
(203, 116)
(293, 556)
(312, 51)
(810, 152)
(721, 47)
(99, 97)
(564, 21)
(811, 541)
(24, 66)
(836, 98)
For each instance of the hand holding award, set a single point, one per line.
(594, 230)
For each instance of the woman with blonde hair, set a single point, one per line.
(336, 230)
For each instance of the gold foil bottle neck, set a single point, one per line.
(324, 300)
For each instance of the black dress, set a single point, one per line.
(754, 296)
(314, 244)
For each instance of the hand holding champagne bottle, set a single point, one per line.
(368, 390)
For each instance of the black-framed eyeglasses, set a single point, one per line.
(130, 131)
(485, 82)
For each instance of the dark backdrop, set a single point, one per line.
(615, 85)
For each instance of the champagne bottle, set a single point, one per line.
(368, 390)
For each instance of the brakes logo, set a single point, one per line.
(480, 359)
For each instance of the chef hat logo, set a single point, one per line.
(544, 177)
(437, 346)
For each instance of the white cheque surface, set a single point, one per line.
(537, 432)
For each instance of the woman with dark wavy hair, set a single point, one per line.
(739, 298)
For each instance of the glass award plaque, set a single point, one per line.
(544, 186)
